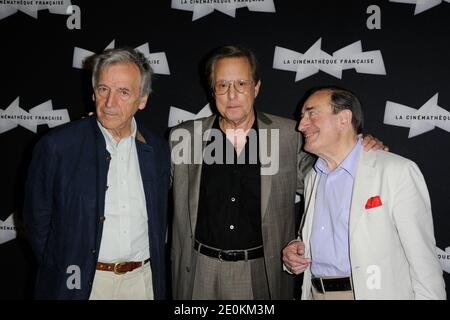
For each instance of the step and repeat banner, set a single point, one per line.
(394, 54)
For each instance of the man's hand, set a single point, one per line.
(294, 257)
(372, 143)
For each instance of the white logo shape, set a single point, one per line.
(7, 229)
(15, 116)
(157, 60)
(31, 7)
(201, 9)
(314, 59)
(177, 116)
(429, 116)
(421, 5)
(444, 258)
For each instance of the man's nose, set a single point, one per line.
(232, 93)
(110, 98)
(304, 122)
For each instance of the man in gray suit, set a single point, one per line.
(235, 176)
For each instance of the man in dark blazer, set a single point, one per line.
(96, 194)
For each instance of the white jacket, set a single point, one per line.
(392, 246)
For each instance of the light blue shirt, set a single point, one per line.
(329, 236)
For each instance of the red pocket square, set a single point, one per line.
(373, 202)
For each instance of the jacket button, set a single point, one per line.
(106, 188)
(93, 251)
(90, 284)
(188, 269)
(102, 218)
(108, 158)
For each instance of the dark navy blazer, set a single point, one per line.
(65, 202)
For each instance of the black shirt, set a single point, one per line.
(229, 211)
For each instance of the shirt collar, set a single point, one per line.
(349, 164)
(110, 139)
(216, 123)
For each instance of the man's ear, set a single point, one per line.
(143, 102)
(345, 118)
(93, 97)
(258, 85)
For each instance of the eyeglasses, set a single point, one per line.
(241, 86)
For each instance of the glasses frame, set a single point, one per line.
(229, 82)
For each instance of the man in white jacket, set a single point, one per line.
(367, 230)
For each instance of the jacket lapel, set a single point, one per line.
(146, 156)
(147, 163)
(195, 168)
(103, 159)
(266, 180)
(362, 188)
(311, 183)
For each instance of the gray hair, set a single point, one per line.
(124, 55)
(343, 99)
(231, 52)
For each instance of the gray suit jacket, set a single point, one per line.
(277, 202)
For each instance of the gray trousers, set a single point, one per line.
(230, 280)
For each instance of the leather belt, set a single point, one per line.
(120, 267)
(323, 285)
(230, 255)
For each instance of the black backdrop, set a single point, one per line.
(36, 65)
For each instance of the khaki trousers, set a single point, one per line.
(133, 285)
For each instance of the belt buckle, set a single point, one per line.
(116, 265)
(220, 255)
